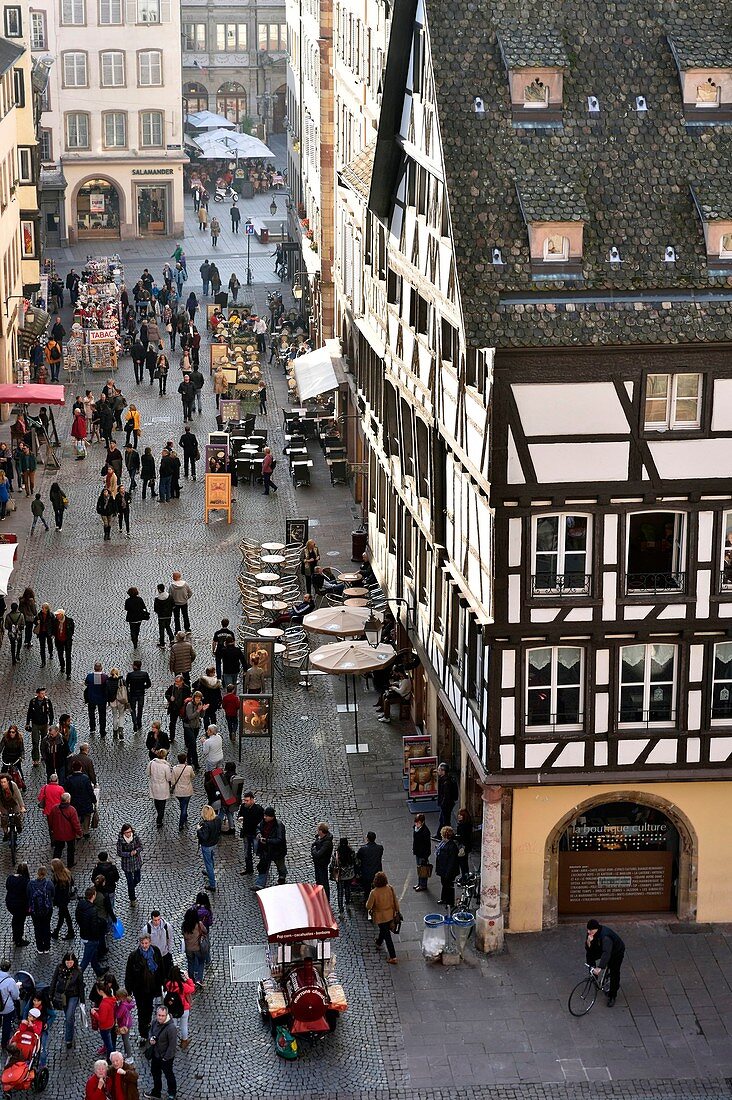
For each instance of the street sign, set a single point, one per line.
(249, 227)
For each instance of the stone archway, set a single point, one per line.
(688, 851)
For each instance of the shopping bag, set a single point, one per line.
(118, 929)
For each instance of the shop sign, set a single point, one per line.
(218, 494)
(151, 172)
(99, 335)
(414, 745)
(422, 777)
(96, 203)
(615, 882)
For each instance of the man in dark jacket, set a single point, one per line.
(132, 465)
(82, 794)
(209, 834)
(421, 848)
(138, 360)
(106, 869)
(85, 761)
(164, 1041)
(104, 417)
(144, 980)
(151, 361)
(368, 861)
(604, 948)
(218, 644)
(115, 459)
(271, 847)
(188, 443)
(321, 851)
(187, 393)
(64, 639)
(232, 660)
(175, 696)
(197, 382)
(38, 719)
(92, 929)
(166, 471)
(447, 796)
(63, 824)
(250, 814)
(95, 694)
(55, 753)
(163, 608)
(137, 682)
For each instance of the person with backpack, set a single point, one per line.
(15, 627)
(342, 871)
(144, 980)
(161, 936)
(40, 907)
(208, 834)
(178, 990)
(196, 944)
(164, 1041)
(118, 701)
(193, 712)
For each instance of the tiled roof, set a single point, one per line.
(357, 173)
(527, 48)
(551, 199)
(632, 172)
(9, 54)
(701, 49)
(714, 197)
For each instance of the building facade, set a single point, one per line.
(19, 227)
(111, 124)
(234, 62)
(547, 409)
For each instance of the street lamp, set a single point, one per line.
(273, 208)
(372, 630)
(249, 243)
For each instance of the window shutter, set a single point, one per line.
(131, 12)
(164, 11)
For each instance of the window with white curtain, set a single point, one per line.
(113, 69)
(77, 130)
(115, 130)
(647, 684)
(722, 683)
(150, 68)
(554, 688)
(74, 68)
(151, 129)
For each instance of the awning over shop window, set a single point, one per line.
(314, 374)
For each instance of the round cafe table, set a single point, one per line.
(355, 601)
(358, 592)
(267, 578)
(273, 547)
(349, 578)
(270, 632)
(274, 605)
(272, 559)
(269, 590)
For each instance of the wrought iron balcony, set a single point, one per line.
(656, 716)
(561, 584)
(725, 580)
(655, 583)
(567, 722)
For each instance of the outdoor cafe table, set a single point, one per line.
(267, 578)
(270, 590)
(270, 632)
(353, 591)
(273, 547)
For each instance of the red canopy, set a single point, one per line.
(297, 911)
(32, 394)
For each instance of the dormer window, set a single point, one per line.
(555, 214)
(535, 63)
(704, 63)
(536, 95)
(556, 248)
(713, 202)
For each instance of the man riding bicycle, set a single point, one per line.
(11, 801)
(605, 949)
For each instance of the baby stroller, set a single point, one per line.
(21, 1071)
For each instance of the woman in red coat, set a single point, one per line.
(78, 432)
(97, 1087)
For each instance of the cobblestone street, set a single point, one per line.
(493, 1028)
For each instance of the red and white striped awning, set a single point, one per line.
(297, 911)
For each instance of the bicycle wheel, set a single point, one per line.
(582, 997)
(13, 845)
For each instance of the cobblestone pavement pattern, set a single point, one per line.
(494, 1028)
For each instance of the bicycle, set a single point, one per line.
(584, 994)
(469, 892)
(12, 834)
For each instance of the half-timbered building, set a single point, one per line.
(550, 436)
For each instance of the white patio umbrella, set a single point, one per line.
(7, 555)
(351, 659)
(341, 622)
(207, 120)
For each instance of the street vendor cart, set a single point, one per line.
(303, 992)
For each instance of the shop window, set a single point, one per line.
(194, 36)
(231, 101)
(110, 13)
(655, 553)
(97, 210)
(75, 70)
(722, 683)
(152, 210)
(561, 555)
(554, 687)
(113, 69)
(73, 12)
(150, 68)
(647, 685)
(231, 36)
(115, 130)
(38, 30)
(673, 402)
(195, 98)
(151, 129)
(77, 130)
(727, 552)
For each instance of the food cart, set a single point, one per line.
(303, 992)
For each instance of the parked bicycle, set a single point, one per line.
(584, 994)
(469, 897)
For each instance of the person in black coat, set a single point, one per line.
(447, 865)
(250, 814)
(156, 739)
(106, 508)
(187, 393)
(188, 443)
(151, 361)
(136, 612)
(137, 683)
(421, 848)
(147, 472)
(138, 360)
(144, 980)
(604, 948)
(447, 796)
(16, 902)
(83, 799)
(464, 837)
(369, 858)
(321, 851)
(122, 506)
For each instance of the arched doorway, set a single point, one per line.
(279, 109)
(97, 210)
(231, 102)
(630, 852)
(195, 98)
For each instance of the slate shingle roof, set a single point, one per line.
(545, 198)
(527, 47)
(701, 49)
(357, 173)
(633, 172)
(714, 197)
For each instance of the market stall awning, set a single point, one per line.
(297, 910)
(32, 394)
(244, 146)
(207, 120)
(7, 560)
(314, 374)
